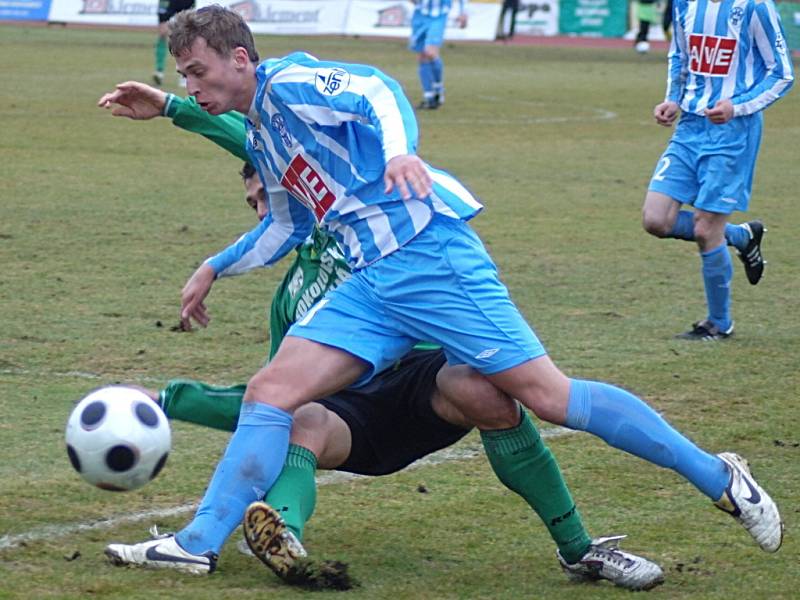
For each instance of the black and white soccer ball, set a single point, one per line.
(118, 438)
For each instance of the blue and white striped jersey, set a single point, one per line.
(320, 135)
(436, 8)
(727, 49)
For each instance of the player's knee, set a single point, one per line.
(655, 223)
(269, 389)
(310, 428)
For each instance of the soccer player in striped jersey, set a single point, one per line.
(415, 407)
(335, 145)
(427, 36)
(728, 61)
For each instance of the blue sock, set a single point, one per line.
(683, 229)
(717, 276)
(737, 236)
(251, 464)
(626, 422)
(426, 78)
(437, 67)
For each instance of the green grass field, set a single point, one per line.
(102, 220)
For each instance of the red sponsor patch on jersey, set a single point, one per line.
(307, 185)
(711, 54)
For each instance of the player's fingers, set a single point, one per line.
(122, 111)
(402, 187)
(389, 184)
(422, 186)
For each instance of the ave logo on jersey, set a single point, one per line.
(305, 184)
(711, 55)
(331, 82)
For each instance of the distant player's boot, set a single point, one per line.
(705, 331)
(162, 552)
(439, 97)
(751, 256)
(750, 505)
(604, 560)
(428, 104)
(270, 540)
(158, 78)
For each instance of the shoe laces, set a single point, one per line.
(607, 550)
(156, 535)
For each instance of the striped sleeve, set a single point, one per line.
(770, 43)
(677, 59)
(287, 224)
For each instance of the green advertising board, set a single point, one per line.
(598, 18)
(790, 17)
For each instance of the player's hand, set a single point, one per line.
(408, 170)
(134, 100)
(721, 112)
(192, 296)
(666, 113)
(462, 20)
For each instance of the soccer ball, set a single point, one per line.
(118, 438)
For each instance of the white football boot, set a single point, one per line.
(604, 560)
(162, 552)
(750, 505)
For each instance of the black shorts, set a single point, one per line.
(391, 418)
(169, 8)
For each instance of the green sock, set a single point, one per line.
(294, 494)
(525, 465)
(161, 53)
(202, 404)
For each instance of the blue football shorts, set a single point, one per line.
(426, 31)
(710, 166)
(441, 287)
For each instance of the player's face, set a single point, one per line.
(255, 196)
(217, 82)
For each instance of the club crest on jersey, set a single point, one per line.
(278, 123)
(737, 12)
(711, 55)
(331, 82)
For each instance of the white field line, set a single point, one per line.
(49, 532)
(82, 375)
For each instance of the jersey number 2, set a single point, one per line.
(659, 176)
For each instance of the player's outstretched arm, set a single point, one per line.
(193, 295)
(134, 100)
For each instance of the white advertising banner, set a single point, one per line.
(301, 17)
(537, 17)
(393, 19)
(105, 12)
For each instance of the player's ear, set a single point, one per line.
(240, 57)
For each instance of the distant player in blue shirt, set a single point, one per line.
(427, 35)
(335, 145)
(728, 61)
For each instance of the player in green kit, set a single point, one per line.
(403, 414)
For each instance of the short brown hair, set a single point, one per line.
(223, 30)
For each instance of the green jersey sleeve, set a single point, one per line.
(227, 130)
